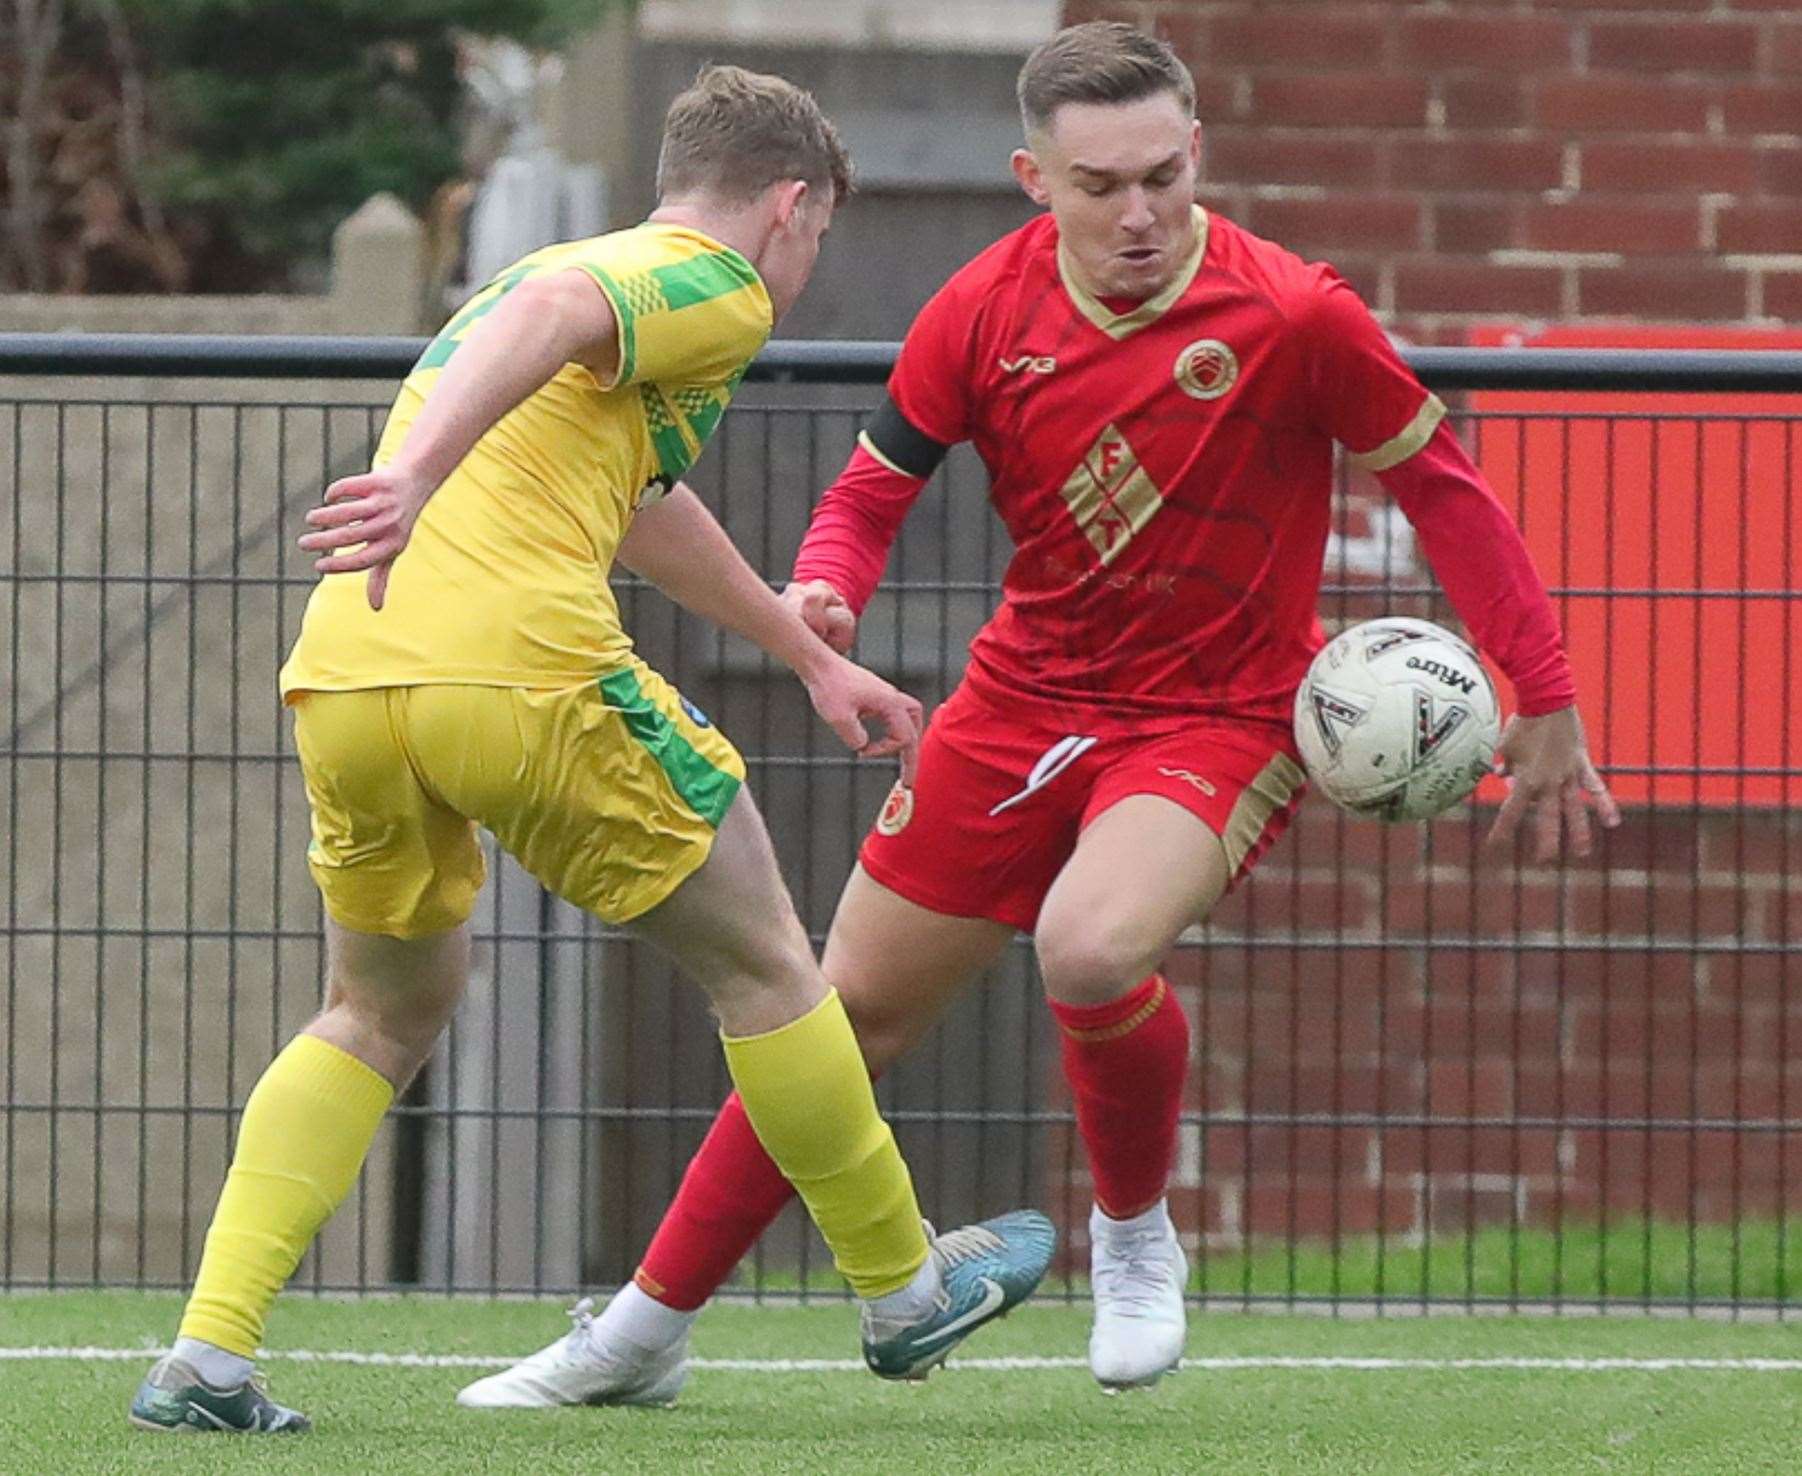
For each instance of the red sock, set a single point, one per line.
(729, 1196)
(1125, 1061)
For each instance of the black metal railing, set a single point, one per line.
(1422, 1076)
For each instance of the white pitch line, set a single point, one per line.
(978, 1365)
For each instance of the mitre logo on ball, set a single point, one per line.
(1397, 719)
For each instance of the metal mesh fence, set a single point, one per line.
(1422, 1075)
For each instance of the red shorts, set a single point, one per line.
(1003, 793)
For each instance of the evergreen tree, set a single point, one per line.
(280, 117)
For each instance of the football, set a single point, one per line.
(1397, 719)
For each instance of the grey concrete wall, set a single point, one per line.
(931, 132)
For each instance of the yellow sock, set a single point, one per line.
(306, 1130)
(807, 1092)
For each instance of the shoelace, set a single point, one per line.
(957, 1246)
(572, 1346)
(1136, 1269)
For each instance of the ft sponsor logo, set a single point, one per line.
(1029, 364)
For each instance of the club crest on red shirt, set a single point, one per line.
(1207, 369)
(897, 810)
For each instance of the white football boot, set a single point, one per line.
(1137, 1271)
(585, 1366)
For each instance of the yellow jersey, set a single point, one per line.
(504, 582)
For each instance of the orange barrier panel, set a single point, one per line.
(1670, 523)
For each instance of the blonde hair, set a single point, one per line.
(734, 133)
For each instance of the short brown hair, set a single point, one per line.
(735, 133)
(1100, 62)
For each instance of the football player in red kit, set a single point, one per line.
(1156, 395)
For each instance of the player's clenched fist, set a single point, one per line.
(824, 610)
(371, 515)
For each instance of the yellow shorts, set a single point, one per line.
(609, 793)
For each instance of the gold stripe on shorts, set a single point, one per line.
(1275, 786)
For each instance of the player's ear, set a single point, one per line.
(792, 198)
(1030, 176)
(1195, 148)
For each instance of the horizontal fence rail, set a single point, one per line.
(1423, 1076)
(211, 356)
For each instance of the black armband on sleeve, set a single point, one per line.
(896, 440)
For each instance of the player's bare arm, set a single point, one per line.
(540, 326)
(1552, 779)
(680, 547)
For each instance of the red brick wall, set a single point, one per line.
(1649, 983)
(1548, 159)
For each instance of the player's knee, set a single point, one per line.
(883, 1034)
(1088, 961)
(758, 961)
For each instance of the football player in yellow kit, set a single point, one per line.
(484, 679)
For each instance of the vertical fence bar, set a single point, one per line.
(1698, 612)
(191, 840)
(102, 762)
(9, 1214)
(1741, 806)
(146, 739)
(1648, 1020)
(1783, 931)
(57, 844)
(1606, 1037)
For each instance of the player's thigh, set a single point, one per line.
(1144, 869)
(1176, 819)
(610, 793)
(387, 1000)
(390, 857)
(732, 920)
(400, 984)
(897, 964)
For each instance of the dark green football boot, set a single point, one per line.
(986, 1270)
(174, 1397)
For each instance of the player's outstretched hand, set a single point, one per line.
(370, 517)
(1552, 780)
(824, 610)
(848, 697)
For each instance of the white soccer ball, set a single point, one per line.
(1397, 719)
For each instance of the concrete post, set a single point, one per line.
(378, 269)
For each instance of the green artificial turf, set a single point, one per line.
(66, 1415)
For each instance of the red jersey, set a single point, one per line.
(1165, 472)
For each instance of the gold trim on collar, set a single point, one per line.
(1119, 325)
